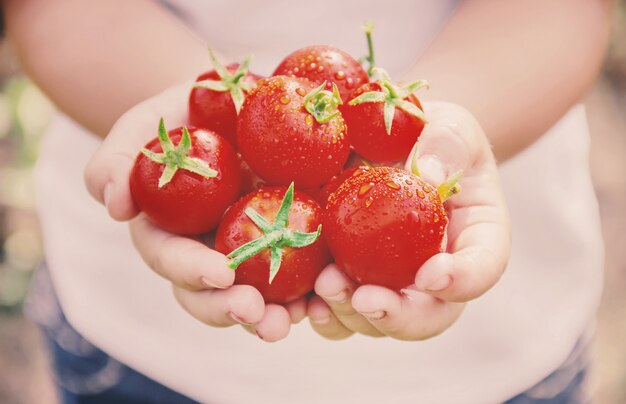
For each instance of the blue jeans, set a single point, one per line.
(85, 374)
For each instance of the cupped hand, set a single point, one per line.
(202, 282)
(478, 247)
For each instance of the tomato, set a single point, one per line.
(288, 130)
(217, 95)
(324, 63)
(384, 121)
(382, 224)
(272, 237)
(321, 195)
(186, 189)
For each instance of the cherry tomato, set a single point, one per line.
(384, 121)
(217, 95)
(187, 188)
(272, 238)
(288, 130)
(382, 224)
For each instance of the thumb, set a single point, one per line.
(107, 174)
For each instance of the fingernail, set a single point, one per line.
(431, 169)
(340, 297)
(205, 281)
(323, 320)
(375, 315)
(259, 335)
(439, 284)
(106, 194)
(239, 319)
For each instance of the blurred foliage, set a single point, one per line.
(24, 114)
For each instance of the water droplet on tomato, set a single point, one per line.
(300, 91)
(330, 157)
(392, 185)
(320, 69)
(408, 182)
(365, 188)
(349, 83)
(284, 99)
(420, 193)
(427, 189)
(309, 120)
(436, 218)
(340, 75)
(413, 217)
(311, 66)
(369, 201)
(295, 70)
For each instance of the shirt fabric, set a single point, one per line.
(504, 343)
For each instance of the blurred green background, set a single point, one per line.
(25, 113)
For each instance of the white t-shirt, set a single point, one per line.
(505, 341)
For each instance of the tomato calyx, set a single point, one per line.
(368, 28)
(276, 236)
(175, 157)
(231, 82)
(322, 104)
(393, 97)
(449, 187)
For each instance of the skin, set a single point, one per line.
(46, 37)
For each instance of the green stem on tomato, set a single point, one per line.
(175, 157)
(231, 82)
(275, 236)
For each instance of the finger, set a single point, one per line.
(106, 175)
(479, 241)
(297, 310)
(275, 324)
(479, 257)
(239, 304)
(187, 263)
(336, 289)
(451, 141)
(324, 322)
(410, 315)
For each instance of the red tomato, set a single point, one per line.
(287, 254)
(384, 122)
(324, 63)
(187, 189)
(217, 95)
(290, 131)
(382, 224)
(321, 195)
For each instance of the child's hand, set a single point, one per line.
(477, 253)
(202, 282)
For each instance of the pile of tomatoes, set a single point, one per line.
(269, 164)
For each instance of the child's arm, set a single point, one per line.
(518, 67)
(96, 59)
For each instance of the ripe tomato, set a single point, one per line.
(321, 195)
(324, 63)
(384, 121)
(382, 224)
(272, 238)
(288, 130)
(186, 188)
(217, 96)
